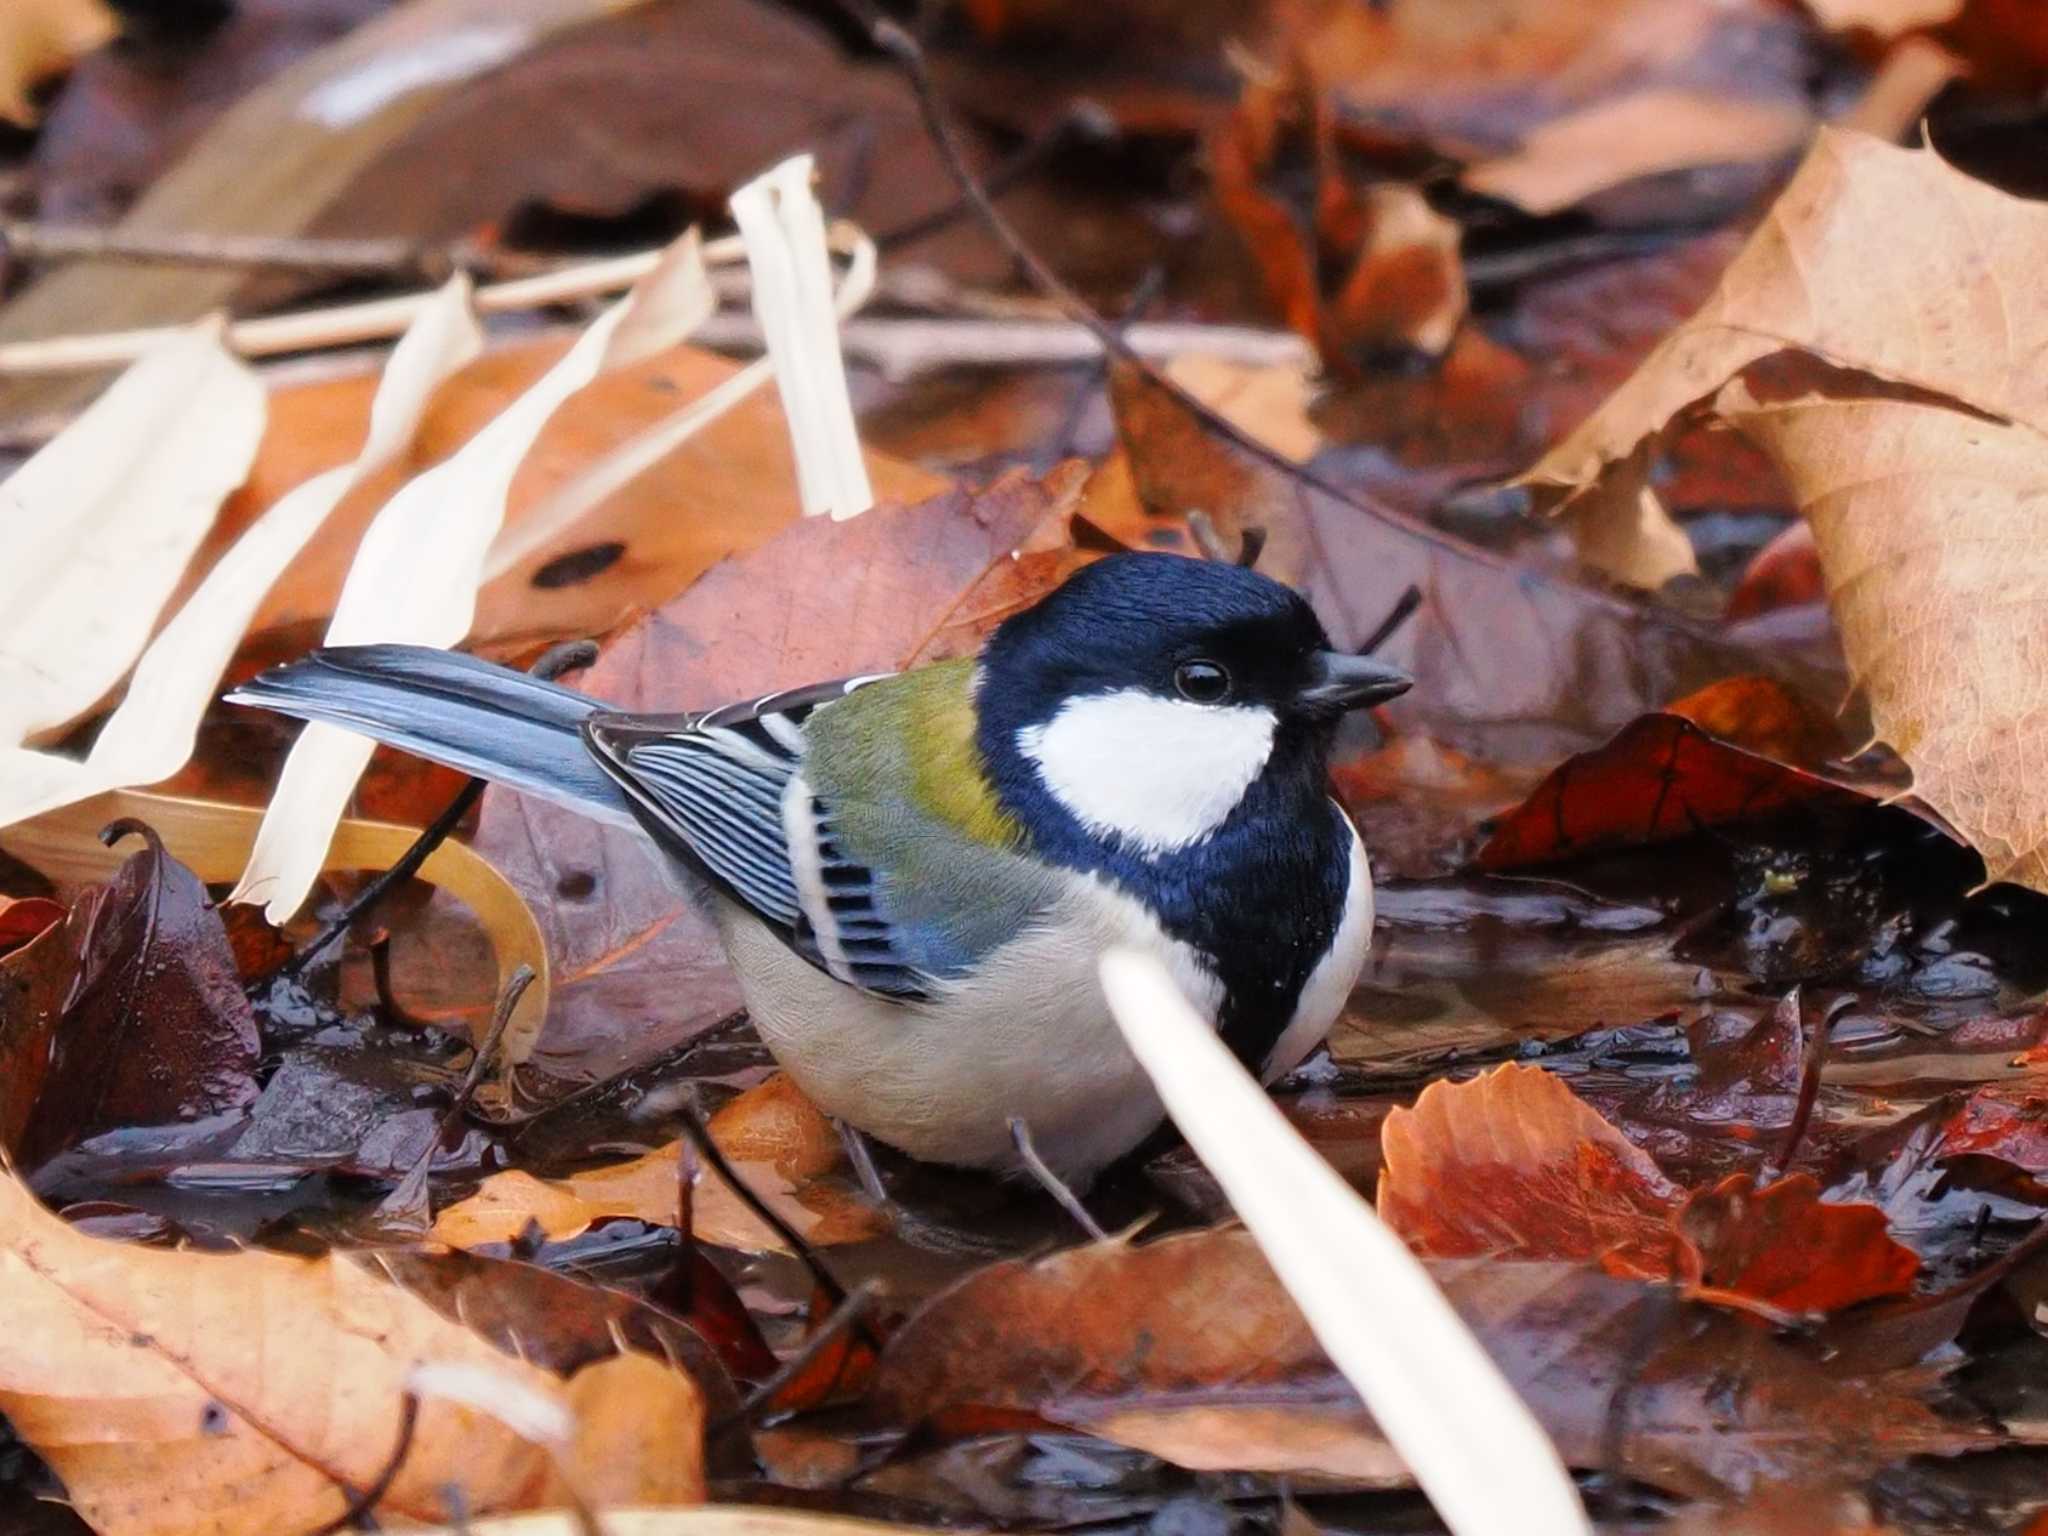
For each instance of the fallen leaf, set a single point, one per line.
(1924, 518)
(243, 1391)
(154, 1027)
(638, 968)
(1735, 751)
(1783, 574)
(41, 38)
(561, 1322)
(1784, 1246)
(23, 920)
(1514, 1163)
(102, 520)
(1188, 1347)
(1569, 158)
(777, 1143)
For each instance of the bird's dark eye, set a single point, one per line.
(1202, 682)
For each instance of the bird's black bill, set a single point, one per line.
(1339, 681)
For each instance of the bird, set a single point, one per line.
(914, 874)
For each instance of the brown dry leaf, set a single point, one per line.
(775, 1139)
(1927, 522)
(41, 38)
(1189, 1348)
(1569, 158)
(1269, 401)
(1882, 259)
(1623, 530)
(1514, 1163)
(1921, 473)
(175, 1390)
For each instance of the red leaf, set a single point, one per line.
(1515, 1164)
(1784, 1246)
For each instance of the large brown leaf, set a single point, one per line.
(1908, 414)
(1188, 1347)
(175, 1392)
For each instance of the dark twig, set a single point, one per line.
(1081, 122)
(1052, 1183)
(358, 1515)
(1809, 1086)
(1096, 375)
(714, 1157)
(408, 1200)
(566, 657)
(1404, 605)
(843, 1317)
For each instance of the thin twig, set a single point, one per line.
(1811, 1060)
(1404, 605)
(714, 1157)
(569, 656)
(407, 1201)
(1052, 1183)
(1081, 121)
(360, 1504)
(843, 1317)
(399, 258)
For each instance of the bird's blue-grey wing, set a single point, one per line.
(728, 791)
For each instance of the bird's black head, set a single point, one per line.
(1198, 632)
(1152, 700)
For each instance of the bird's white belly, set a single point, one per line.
(1029, 1036)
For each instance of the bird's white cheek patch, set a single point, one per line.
(1160, 773)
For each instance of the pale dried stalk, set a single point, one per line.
(1474, 1446)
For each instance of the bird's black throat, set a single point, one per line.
(1260, 898)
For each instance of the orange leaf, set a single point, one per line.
(1514, 1163)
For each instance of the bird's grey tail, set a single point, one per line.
(459, 710)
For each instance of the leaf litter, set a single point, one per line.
(1697, 1059)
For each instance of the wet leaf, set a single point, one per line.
(25, 920)
(1514, 1164)
(1732, 752)
(154, 1026)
